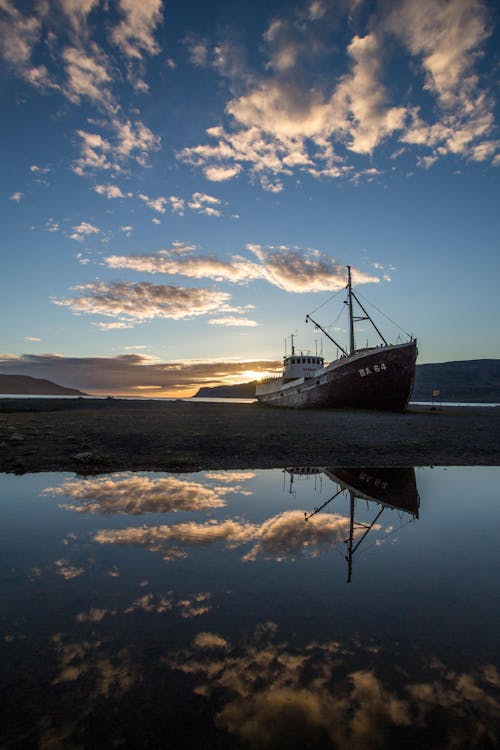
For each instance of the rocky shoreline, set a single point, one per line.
(89, 436)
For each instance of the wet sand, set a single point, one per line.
(94, 436)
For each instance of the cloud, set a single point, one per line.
(135, 494)
(88, 76)
(134, 35)
(208, 641)
(139, 301)
(82, 71)
(83, 230)
(198, 605)
(286, 536)
(200, 202)
(113, 325)
(51, 225)
(228, 477)
(157, 204)
(129, 140)
(446, 39)
(162, 538)
(289, 268)
(36, 170)
(297, 119)
(198, 49)
(205, 204)
(16, 197)
(220, 173)
(68, 571)
(110, 191)
(19, 35)
(77, 12)
(126, 373)
(297, 270)
(127, 230)
(32, 338)
(337, 694)
(232, 320)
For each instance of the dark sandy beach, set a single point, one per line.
(94, 436)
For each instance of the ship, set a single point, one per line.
(376, 377)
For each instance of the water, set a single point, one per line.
(205, 610)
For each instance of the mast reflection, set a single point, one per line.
(388, 488)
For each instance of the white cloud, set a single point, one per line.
(221, 173)
(291, 120)
(19, 35)
(177, 204)
(88, 76)
(203, 203)
(290, 268)
(113, 325)
(157, 204)
(140, 301)
(136, 494)
(233, 321)
(16, 197)
(77, 12)
(35, 169)
(198, 49)
(111, 191)
(129, 140)
(32, 338)
(127, 230)
(83, 230)
(134, 35)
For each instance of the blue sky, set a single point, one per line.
(183, 181)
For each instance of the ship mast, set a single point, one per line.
(351, 317)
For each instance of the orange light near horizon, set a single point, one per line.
(249, 375)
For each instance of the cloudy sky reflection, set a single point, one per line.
(240, 628)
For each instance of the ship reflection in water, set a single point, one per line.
(211, 610)
(393, 488)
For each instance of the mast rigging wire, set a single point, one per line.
(327, 300)
(385, 316)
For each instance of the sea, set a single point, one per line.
(300, 607)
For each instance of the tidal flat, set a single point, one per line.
(90, 436)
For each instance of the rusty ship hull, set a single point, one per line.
(375, 378)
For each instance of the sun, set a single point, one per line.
(250, 375)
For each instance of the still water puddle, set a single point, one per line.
(325, 607)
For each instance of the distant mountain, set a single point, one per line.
(242, 390)
(475, 380)
(23, 385)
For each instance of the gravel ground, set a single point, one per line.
(94, 436)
